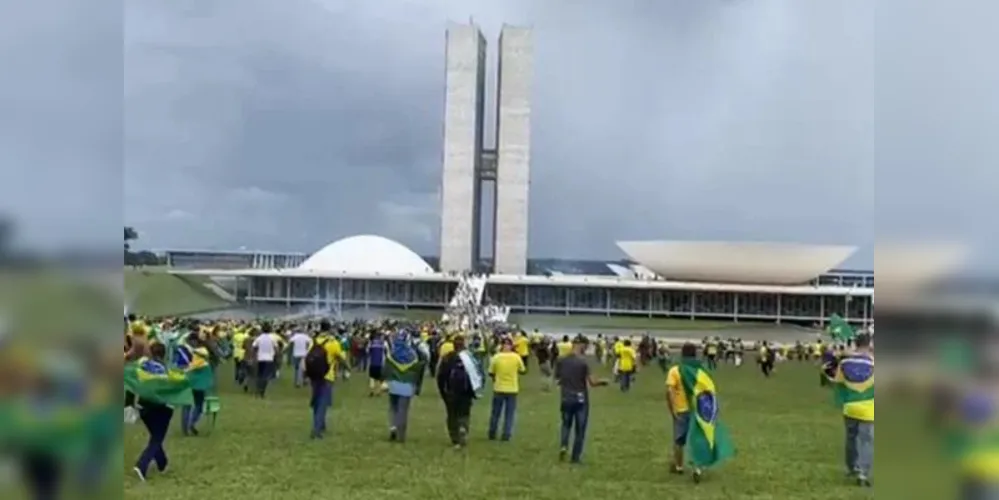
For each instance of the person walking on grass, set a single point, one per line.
(321, 365)
(505, 369)
(854, 390)
(574, 378)
(403, 371)
(698, 435)
(458, 382)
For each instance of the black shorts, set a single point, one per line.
(375, 373)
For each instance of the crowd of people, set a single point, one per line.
(399, 357)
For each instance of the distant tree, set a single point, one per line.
(6, 233)
(130, 235)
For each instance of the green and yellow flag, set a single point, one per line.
(839, 329)
(854, 381)
(402, 362)
(708, 442)
(152, 380)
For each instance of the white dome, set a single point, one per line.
(366, 254)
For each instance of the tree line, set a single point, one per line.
(141, 257)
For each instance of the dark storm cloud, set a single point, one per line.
(286, 125)
(60, 122)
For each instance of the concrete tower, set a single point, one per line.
(464, 115)
(468, 165)
(513, 149)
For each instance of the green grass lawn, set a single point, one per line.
(788, 436)
(153, 292)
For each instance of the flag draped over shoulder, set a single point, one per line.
(151, 380)
(194, 362)
(839, 329)
(403, 363)
(708, 442)
(854, 381)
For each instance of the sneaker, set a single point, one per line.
(863, 482)
(138, 472)
(163, 470)
(676, 470)
(697, 476)
(563, 454)
(393, 434)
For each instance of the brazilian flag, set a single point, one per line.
(708, 442)
(854, 380)
(194, 362)
(152, 380)
(403, 363)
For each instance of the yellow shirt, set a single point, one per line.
(617, 347)
(626, 360)
(238, 352)
(521, 345)
(564, 349)
(506, 368)
(446, 348)
(334, 354)
(675, 392)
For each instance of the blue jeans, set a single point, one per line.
(575, 417)
(859, 446)
(505, 405)
(625, 380)
(190, 415)
(296, 364)
(321, 402)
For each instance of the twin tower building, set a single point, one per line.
(472, 163)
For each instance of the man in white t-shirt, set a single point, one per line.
(300, 345)
(266, 349)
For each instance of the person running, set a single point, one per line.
(155, 416)
(627, 366)
(376, 363)
(574, 377)
(679, 407)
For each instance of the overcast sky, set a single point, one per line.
(288, 124)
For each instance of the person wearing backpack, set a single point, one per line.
(321, 364)
(458, 382)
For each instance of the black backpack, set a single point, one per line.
(317, 364)
(459, 382)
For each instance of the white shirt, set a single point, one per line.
(300, 345)
(265, 346)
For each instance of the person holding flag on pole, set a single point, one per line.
(698, 436)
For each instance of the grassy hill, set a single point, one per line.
(154, 292)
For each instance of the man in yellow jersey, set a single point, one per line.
(627, 365)
(322, 387)
(855, 392)
(679, 408)
(505, 369)
(522, 346)
(564, 347)
(239, 354)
